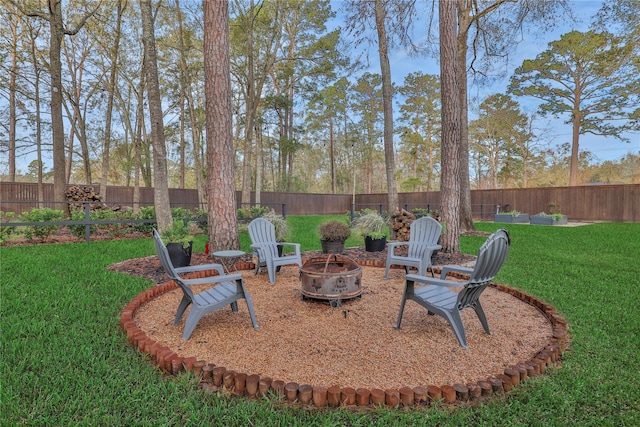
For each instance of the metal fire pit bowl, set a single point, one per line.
(331, 277)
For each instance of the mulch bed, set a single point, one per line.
(150, 268)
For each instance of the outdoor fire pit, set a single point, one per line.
(331, 277)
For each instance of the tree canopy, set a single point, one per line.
(588, 78)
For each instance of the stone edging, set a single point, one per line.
(214, 378)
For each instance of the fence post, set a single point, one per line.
(284, 210)
(87, 225)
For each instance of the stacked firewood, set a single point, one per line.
(78, 194)
(400, 222)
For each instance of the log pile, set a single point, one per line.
(78, 194)
(400, 222)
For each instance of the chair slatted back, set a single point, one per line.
(491, 256)
(163, 255)
(425, 231)
(263, 232)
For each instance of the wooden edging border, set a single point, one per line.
(217, 378)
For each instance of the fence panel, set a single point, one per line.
(618, 203)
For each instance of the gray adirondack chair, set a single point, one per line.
(423, 240)
(265, 248)
(437, 299)
(228, 289)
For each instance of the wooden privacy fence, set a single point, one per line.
(616, 203)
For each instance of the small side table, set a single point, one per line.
(228, 259)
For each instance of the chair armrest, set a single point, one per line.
(193, 268)
(432, 281)
(257, 248)
(213, 279)
(289, 244)
(396, 244)
(455, 269)
(295, 246)
(429, 250)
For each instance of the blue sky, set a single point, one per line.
(557, 132)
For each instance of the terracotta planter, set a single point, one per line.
(179, 255)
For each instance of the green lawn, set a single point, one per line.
(65, 360)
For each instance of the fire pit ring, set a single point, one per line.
(332, 277)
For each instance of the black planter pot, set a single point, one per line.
(374, 245)
(331, 247)
(179, 255)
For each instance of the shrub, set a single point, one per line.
(180, 213)
(5, 232)
(258, 211)
(203, 224)
(334, 231)
(118, 229)
(40, 215)
(243, 213)
(78, 230)
(146, 212)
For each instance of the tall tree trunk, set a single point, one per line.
(223, 223)
(69, 161)
(466, 216)
(332, 157)
(111, 88)
(78, 127)
(575, 142)
(251, 105)
(138, 142)
(259, 160)
(450, 100)
(200, 172)
(161, 184)
(182, 147)
(57, 32)
(39, 140)
(38, 115)
(57, 125)
(12, 99)
(387, 109)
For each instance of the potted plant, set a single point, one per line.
(332, 236)
(549, 219)
(371, 225)
(179, 243)
(511, 216)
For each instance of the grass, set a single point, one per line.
(65, 361)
